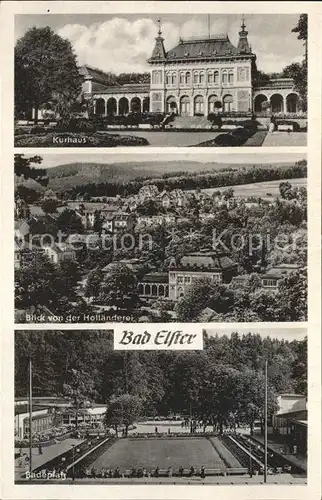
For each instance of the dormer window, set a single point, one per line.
(200, 53)
(186, 53)
(214, 52)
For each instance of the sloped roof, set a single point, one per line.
(97, 75)
(124, 89)
(202, 47)
(157, 277)
(281, 271)
(207, 260)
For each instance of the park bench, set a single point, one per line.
(237, 471)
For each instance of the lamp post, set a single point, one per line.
(265, 426)
(250, 459)
(73, 469)
(30, 417)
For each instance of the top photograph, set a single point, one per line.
(174, 80)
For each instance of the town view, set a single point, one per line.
(180, 239)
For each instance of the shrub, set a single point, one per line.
(265, 105)
(19, 131)
(215, 119)
(37, 129)
(243, 133)
(228, 140)
(69, 139)
(75, 124)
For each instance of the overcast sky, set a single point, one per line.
(52, 160)
(273, 332)
(123, 43)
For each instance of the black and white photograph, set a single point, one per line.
(178, 238)
(234, 412)
(101, 80)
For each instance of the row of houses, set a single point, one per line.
(174, 283)
(50, 413)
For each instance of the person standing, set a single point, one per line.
(191, 471)
(181, 471)
(272, 124)
(202, 472)
(39, 449)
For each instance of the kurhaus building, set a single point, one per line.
(193, 79)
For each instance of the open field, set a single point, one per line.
(259, 189)
(150, 453)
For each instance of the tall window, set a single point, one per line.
(210, 78)
(242, 74)
(188, 78)
(196, 77)
(182, 78)
(174, 79)
(230, 77)
(168, 79)
(156, 76)
(224, 77)
(216, 77)
(202, 78)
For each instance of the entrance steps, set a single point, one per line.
(193, 122)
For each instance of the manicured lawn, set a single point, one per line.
(150, 453)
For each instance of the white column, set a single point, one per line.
(105, 107)
(117, 106)
(206, 105)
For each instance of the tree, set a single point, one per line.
(78, 389)
(302, 30)
(49, 205)
(123, 410)
(22, 168)
(98, 223)
(37, 283)
(45, 70)
(69, 222)
(252, 397)
(93, 283)
(119, 287)
(292, 296)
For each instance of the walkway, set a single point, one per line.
(297, 460)
(286, 479)
(48, 453)
(298, 139)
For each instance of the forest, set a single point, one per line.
(184, 180)
(222, 384)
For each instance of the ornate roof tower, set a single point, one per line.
(158, 53)
(243, 45)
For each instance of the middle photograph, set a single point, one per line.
(175, 238)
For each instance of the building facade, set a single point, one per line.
(196, 77)
(199, 265)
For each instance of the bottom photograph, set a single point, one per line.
(232, 412)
